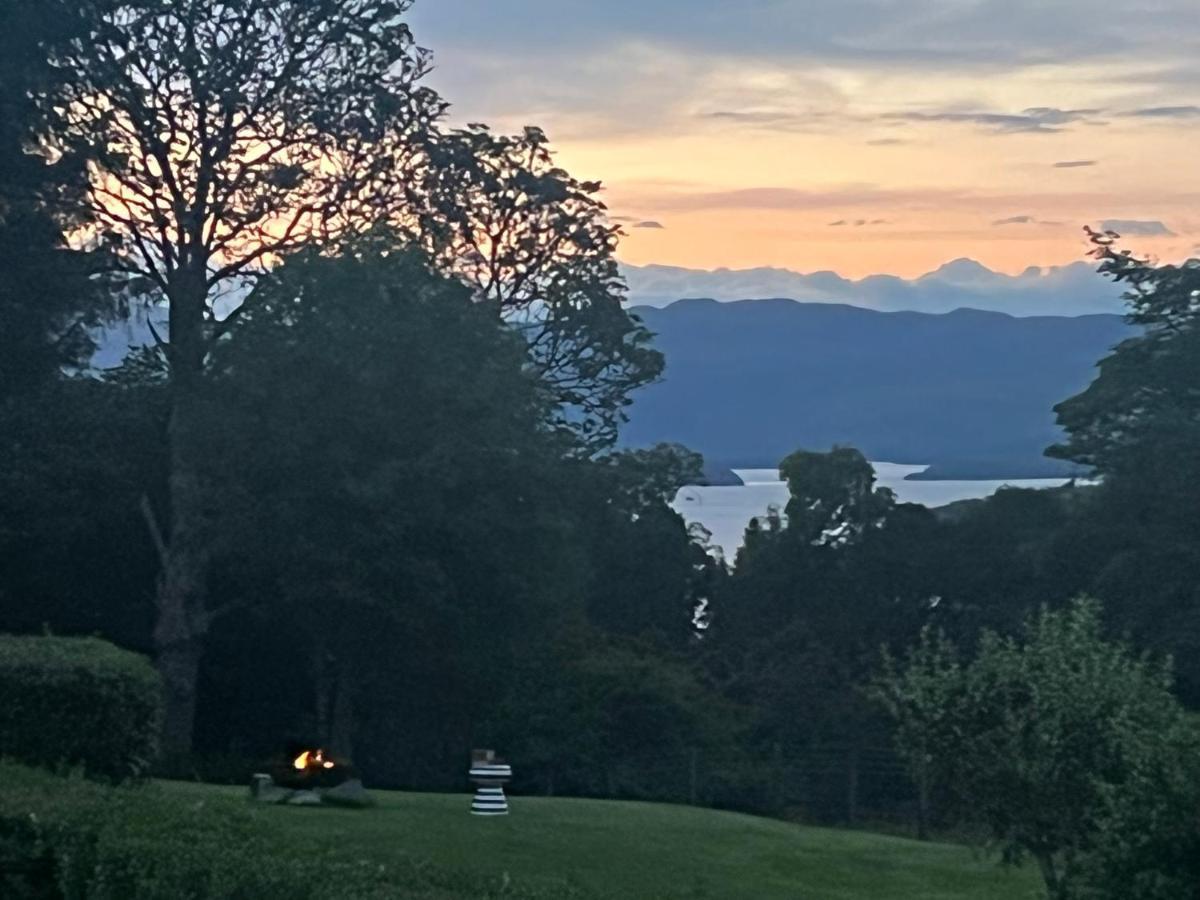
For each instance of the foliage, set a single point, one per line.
(1048, 740)
(797, 628)
(650, 576)
(69, 839)
(68, 702)
(402, 522)
(921, 699)
(1147, 842)
(220, 134)
(536, 245)
(222, 138)
(1138, 424)
(49, 296)
(834, 500)
(1143, 405)
(609, 716)
(76, 457)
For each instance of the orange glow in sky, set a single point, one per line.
(856, 136)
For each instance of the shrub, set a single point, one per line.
(1066, 747)
(78, 703)
(65, 838)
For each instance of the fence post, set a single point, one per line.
(692, 775)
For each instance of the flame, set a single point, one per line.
(311, 758)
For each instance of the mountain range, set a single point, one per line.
(1070, 290)
(970, 392)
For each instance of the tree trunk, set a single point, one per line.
(923, 804)
(1045, 861)
(341, 717)
(182, 611)
(852, 766)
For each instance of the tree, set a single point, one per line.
(1144, 407)
(537, 246)
(219, 136)
(920, 699)
(650, 576)
(75, 457)
(796, 629)
(834, 500)
(597, 714)
(49, 296)
(1044, 739)
(1147, 843)
(1138, 425)
(389, 487)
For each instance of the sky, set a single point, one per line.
(860, 136)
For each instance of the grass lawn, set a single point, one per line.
(645, 850)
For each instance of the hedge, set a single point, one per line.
(65, 838)
(78, 703)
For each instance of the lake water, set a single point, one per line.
(726, 510)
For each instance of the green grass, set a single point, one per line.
(644, 850)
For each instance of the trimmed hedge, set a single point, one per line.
(71, 839)
(78, 703)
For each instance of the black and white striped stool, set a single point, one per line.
(490, 777)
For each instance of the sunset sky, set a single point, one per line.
(855, 135)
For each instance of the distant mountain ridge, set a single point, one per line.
(969, 392)
(1069, 290)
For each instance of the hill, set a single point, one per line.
(969, 392)
(609, 849)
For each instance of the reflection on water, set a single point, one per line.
(726, 510)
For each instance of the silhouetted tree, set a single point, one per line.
(49, 294)
(389, 467)
(537, 246)
(797, 628)
(220, 135)
(1138, 424)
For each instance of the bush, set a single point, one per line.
(78, 703)
(1066, 747)
(63, 838)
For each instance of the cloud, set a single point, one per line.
(628, 66)
(751, 117)
(1165, 112)
(887, 142)
(1022, 220)
(859, 223)
(1073, 289)
(649, 223)
(787, 198)
(1140, 227)
(1035, 120)
(979, 34)
(1075, 164)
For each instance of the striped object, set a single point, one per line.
(489, 792)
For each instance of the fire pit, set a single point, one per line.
(309, 776)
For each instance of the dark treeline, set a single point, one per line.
(378, 507)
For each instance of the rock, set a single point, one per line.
(304, 798)
(265, 790)
(349, 793)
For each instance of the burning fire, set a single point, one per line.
(311, 758)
